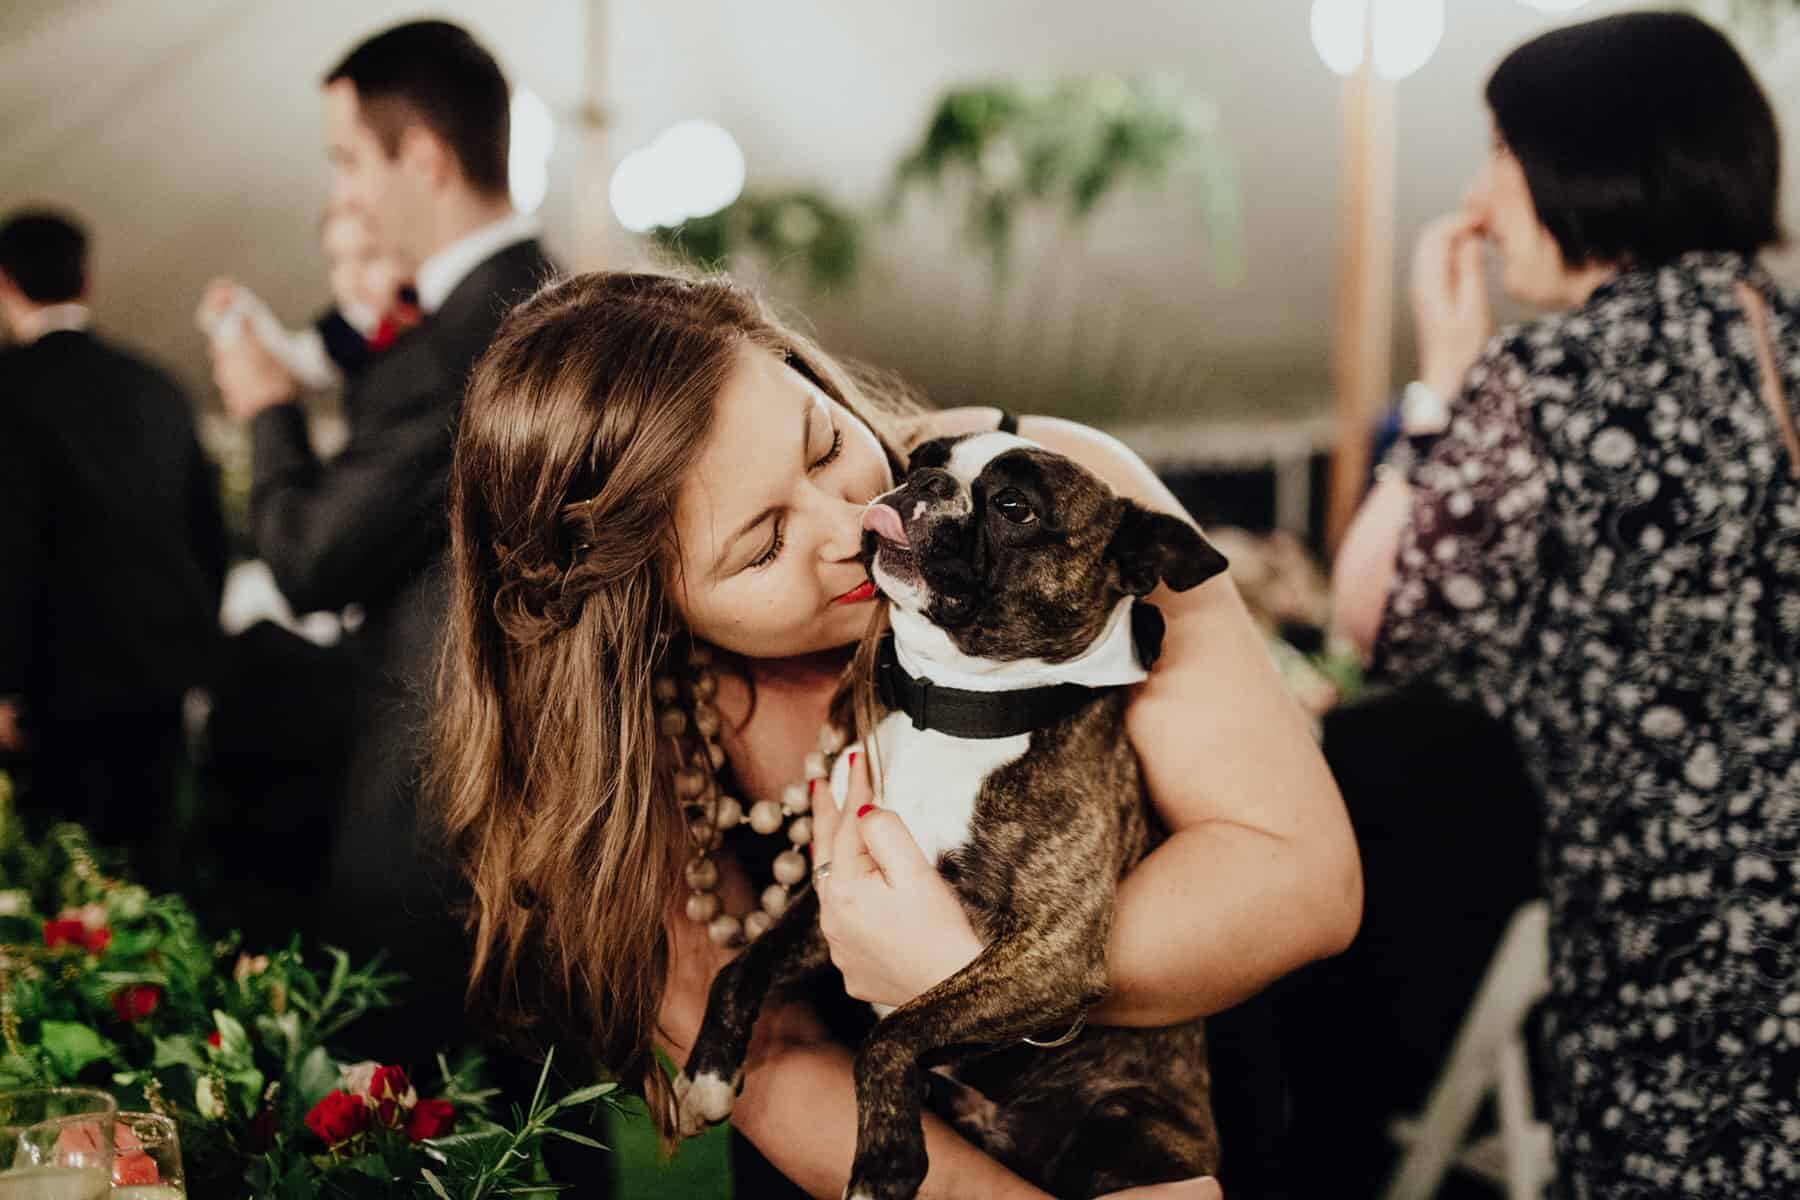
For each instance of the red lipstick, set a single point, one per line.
(856, 595)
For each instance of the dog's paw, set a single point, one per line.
(702, 1100)
(888, 1177)
(869, 1190)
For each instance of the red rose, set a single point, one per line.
(338, 1117)
(214, 1040)
(391, 1095)
(70, 931)
(136, 1002)
(430, 1118)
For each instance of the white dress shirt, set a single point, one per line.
(54, 317)
(439, 274)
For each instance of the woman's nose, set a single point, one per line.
(843, 526)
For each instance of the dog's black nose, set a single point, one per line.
(932, 483)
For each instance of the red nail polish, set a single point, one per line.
(865, 810)
(853, 755)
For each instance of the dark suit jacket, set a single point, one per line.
(370, 528)
(112, 549)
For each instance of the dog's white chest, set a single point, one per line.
(932, 780)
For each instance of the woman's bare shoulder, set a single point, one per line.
(954, 422)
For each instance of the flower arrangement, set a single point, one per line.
(102, 983)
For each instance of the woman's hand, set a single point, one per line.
(1450, 302)
(894, 926)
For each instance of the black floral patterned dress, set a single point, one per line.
(1604, 552)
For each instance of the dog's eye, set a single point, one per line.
(1014, 507)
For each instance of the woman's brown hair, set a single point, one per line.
(554, 789)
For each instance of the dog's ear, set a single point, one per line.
(934, 453)
(1149, 548)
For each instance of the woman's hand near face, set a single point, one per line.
(1450, 302)
(895, 927)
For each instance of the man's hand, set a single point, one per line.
(12, 737)
(248, 376)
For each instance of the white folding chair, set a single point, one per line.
(1489, 1058)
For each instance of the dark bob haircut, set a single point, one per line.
(45, 255)
(1642, 136)
(434, 74)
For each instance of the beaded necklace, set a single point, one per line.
(710, 812)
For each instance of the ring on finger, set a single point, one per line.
(821, 872)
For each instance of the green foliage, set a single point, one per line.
(104, 984)
(1067, 145)
(801, 232)
(1760, 25)
(487, 1161)
(1007, 148)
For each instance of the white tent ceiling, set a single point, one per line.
(187, 133)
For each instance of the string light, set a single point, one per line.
(693, 169)
(528, 154)
(1407, 33)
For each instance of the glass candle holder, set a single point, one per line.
(147, 1158)
(56, 1144)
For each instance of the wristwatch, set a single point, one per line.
(1423, 413)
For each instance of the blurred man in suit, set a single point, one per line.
(417, 128)
(112, 555)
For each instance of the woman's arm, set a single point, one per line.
(1260, 874)
(798, 1105)
(1451, 314)
(1364, 572)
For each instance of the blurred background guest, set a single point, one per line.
(375, 303)
(416, 123)
(1597, 541)
(112, 554)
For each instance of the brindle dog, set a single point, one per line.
(1009, 570)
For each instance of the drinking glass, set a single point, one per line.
(146, 1158)
(56, 1144)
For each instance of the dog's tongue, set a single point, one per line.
(885, 522)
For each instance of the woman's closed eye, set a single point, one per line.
(772, 553)
(775, 542)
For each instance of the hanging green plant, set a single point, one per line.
(1763, 21)
(800, 231)
(1067, 145)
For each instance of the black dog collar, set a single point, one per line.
(962, 713)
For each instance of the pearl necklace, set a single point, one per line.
(710, 813)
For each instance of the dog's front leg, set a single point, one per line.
(1020, 985)
(792, 949)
